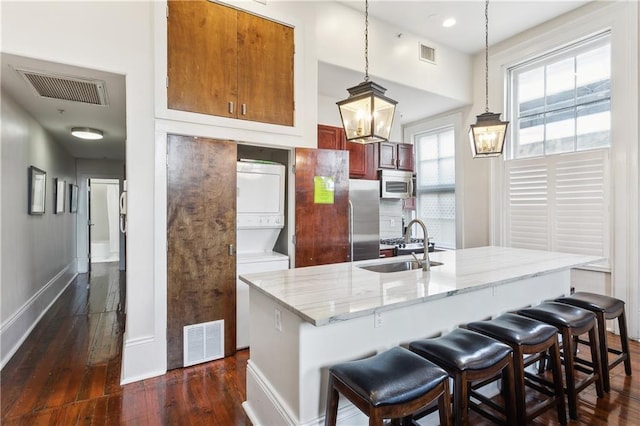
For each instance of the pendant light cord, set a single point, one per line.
(486, 56)
(366, 40)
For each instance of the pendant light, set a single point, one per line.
(367, 114)
(488, 134)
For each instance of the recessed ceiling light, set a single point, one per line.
(449, 22)
(86, 133)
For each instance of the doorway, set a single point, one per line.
(104, 220)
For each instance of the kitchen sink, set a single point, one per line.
(405, 265)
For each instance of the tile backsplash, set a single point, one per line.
(390, 218)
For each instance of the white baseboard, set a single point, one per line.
(15, 330)
(264, 407)
(145, 356)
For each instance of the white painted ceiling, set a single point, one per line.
(422, 18)
(59, 116)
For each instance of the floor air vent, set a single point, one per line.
(427, 53)
(75, 89)
(203, 342)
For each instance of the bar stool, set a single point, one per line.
(469, 358)
(390, 385)
(527, 336)
(605, 308)
(572, 322)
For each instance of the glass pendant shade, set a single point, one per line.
(487, 135)
(367, 114)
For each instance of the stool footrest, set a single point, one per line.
(484, 412)
(540, 384)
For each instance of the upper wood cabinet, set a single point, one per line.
(225, 62)
(361, 157)
(395, 156)
(330, 137)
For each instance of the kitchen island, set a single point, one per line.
(305, 320)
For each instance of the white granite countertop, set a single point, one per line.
(340, 291)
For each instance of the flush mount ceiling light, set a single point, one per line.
(449, 22)
(488, 134)
(86, 133)
(367, 114)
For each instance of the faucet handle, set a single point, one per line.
(416, 258)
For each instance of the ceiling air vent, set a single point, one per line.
(427, 54)
(67, 88)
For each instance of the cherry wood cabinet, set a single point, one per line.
(362, 158)
(225, 62)
(330, 137)
(397, 156)
(387, 252)
(322, 229)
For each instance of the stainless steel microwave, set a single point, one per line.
(395, 184)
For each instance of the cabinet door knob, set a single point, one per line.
(244, 109)
(230, 107)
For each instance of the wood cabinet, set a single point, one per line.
(362, 164)
(225, 62)
(201, 234)
(398, 156)
(387, 252)
(322, 229)
(330, 137)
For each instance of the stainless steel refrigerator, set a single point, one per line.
(364, 220)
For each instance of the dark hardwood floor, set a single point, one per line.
(68, 373)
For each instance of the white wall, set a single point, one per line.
(340, 35)
(622, 18)
(115, 37)
(38, 251)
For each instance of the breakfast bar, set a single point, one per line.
(304, 320)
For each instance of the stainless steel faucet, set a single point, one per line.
(425, 264)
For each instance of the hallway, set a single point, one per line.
(68, 370)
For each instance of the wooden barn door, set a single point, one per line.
(201, 239)
(322, 207)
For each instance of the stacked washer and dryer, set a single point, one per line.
(261, 217)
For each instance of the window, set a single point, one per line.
(435, 192)
(562, 102)
(557, 176)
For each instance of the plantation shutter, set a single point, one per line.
(559, 203)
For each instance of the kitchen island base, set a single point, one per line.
(287, 372)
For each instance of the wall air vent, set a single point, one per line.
(203, 342)
(427, 53)
(67, 88)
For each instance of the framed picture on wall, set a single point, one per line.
(59, 199)
(73, 198)
(37, 190)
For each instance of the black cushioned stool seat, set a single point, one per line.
(605, 308)
(527, 336)
(572, 322)
(390, 385)
(472, 357)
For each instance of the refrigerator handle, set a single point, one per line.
(351, 230)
